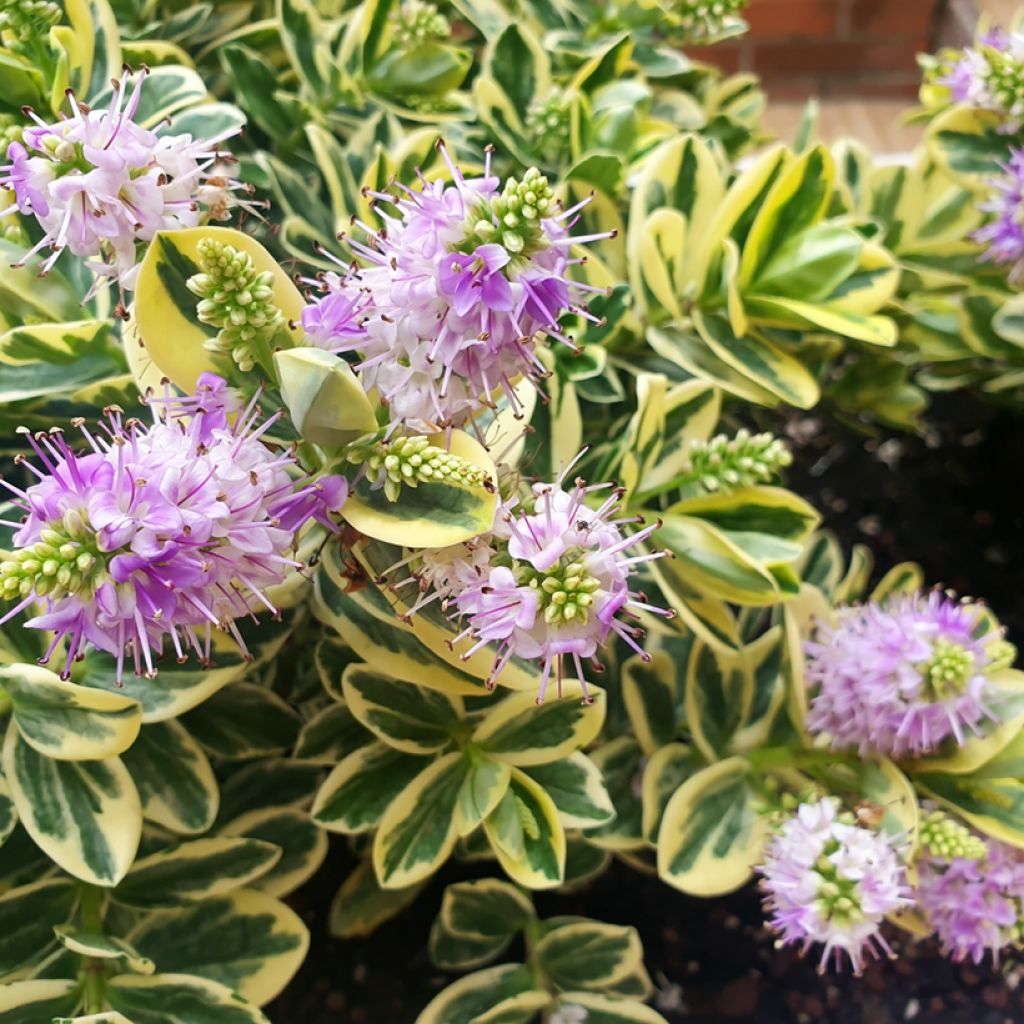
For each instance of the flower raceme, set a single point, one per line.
(1003, 236)
(445, 302)
(990, 77)
(971, 892)
(558, 583)
(99, 184)
(901, 677)
(159, 532)
(831, 882)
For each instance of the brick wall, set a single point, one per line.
(833, 47)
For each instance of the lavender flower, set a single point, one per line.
(1004, 235)
(159, 532)
(98, 183)
(445, 303)
(990, 77)
(559, 583)
(829, 881)
(901, 677)
(975, 903)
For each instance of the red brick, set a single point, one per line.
(793, 88)
(835, 57)
(727, 57)
(785, 19)
(893, 17)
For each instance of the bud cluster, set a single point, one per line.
(237, 299)
(65, 560)
(410, 461)
(723, 463)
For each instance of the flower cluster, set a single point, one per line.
(558, 585)
(444, 304)
(990, 76)
(98, 183)
(1003, 236)
(973, 900)
(899, 678)
(158, 532)
(832, 882)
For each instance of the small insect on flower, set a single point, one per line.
(445, 303)
(831, 882)
(971, 891)
(99, 184)
(159, 532)
(558, 583)
(901, 677)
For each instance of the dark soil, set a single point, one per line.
(952, 500)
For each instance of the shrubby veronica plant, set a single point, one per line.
(395, 475)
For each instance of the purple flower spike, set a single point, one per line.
(99, 184)
(453, 293)
(159, 532)
(559, 584)
(974, 904)
(1004, 235)
(900, 678)
(830, 882)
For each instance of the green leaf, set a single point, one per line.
(255, 82)
(292, 783)
(360, 905)
(32, 1002)
(194, 871)
(767, 365)
(409, 718)
(250, 942)
(55, 359)
(460, 952)
(244, 721)
(810, 265)
(484, 786)
(175, 998)
(469, 998)
(589, 955)
(68, 722)
(712, 833)
(85, 815)
(668, 768)
(577, 790)
(605, 1009)
(28, 916)
(486, 908)
(325, 400)
(519, 64)
(620, 763)
(354, 797)
(417, 832)
(526, 834)
(719, 695)
(521, 732)
(302, 844)
(330, 736)
(104, 947)
(797, 200)
(650, 690)
(175, 781)
(390, 646)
